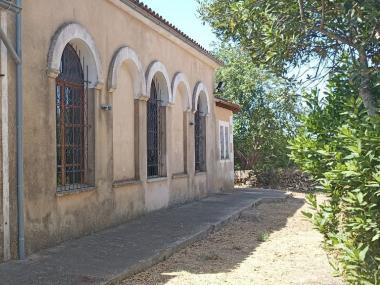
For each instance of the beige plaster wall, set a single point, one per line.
(223, 114)
(123, 127)
(225, 168)
(51, 218)
(178, 163)
(180, 190)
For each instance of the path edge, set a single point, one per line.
(165, 253)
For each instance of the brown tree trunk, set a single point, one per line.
(365, 92)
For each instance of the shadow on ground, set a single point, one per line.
(305, 191)
(226, 249)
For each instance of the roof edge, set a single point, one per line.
(149, 13)
(223, 103)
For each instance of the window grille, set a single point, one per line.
(221, 136)
(71, 122)
(227, 142)
(200, 140)
(224, 140)
(154, 125)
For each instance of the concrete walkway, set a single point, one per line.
(111, 255)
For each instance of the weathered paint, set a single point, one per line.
(123, 50)
(225, 172)
(4, 143)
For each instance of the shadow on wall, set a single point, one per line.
(225, 250)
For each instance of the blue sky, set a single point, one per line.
(183, 14)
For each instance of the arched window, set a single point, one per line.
(155, 132)
(71, 122)
(200, 139)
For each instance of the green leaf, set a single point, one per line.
(375, 237)
(307, 214)
(363, 253)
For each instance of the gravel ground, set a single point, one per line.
(272, 244)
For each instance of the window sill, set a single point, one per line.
(180, 175)
(156, 179)
(200, 173)
(121, 183)
(64, 193)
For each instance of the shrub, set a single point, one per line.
(339, 146)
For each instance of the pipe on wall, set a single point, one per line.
(5, 140)
(19, 136)
(17, 56)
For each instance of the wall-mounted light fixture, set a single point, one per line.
(106, 107)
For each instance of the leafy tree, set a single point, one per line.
(339, 146)
(280, 34)
(268, 115)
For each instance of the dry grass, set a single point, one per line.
(273, 244)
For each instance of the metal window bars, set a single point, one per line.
(154, 134)
(71, 122)
(200, 140)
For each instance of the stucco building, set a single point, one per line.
(119, 118)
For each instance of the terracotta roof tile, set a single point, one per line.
(226, 104)
(144, 9)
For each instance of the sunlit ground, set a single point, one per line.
(271, 245)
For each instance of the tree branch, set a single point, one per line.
(302, 11)
(336, 37)
(323, 15)
(369, 100)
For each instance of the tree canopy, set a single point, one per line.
(268, 110)
(279, 34)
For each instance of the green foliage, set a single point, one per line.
(263, 237)
(278, 33)
(339, 145)
(268, 111)
(281, 34)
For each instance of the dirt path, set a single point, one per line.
(273, 244)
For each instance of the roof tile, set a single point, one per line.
(173, 29)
